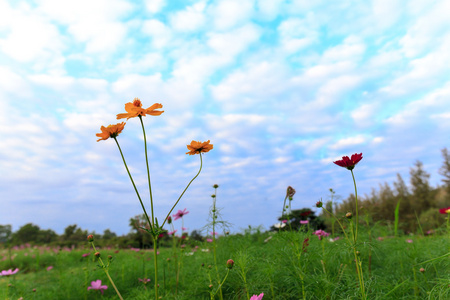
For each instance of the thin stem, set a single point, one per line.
(201, 165)
(132, 181)
(356, 204)
(148, 171)
(155, 256)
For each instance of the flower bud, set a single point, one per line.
(97, 254)
(213, 196)
(215, 186)
(422, 270)
(319, 204)
(90, 238)
(169, 220)
(358, 253)
(230, 264)
(348, 215)
(210, 286)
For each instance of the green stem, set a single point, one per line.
(105, 268)
(356, 204)
(201, 165)
(155, 256)
(132, 181)
(148, 171)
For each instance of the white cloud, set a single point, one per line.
(364, 115)
(190, 19)
(229, 13)
(296, 34)
(154, 6)
(160, 33)
(349, 142)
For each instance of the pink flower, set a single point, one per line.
(135, 249)
(409, 241)
(255, 297)
(320, 233)
(145, 280)
(172, 232)
(86, 254)
(97, 285)
(180, 214)
(349, 163)
(304, 222)
(209, 240)
(380, 238)
(183, 228)
(284, 221)
(213, 233)
(49, 268)
(9, 272)
(336, 238)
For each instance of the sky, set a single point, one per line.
(280, 88)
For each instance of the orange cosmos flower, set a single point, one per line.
(197, 147)
(110, 131)
(135, 109)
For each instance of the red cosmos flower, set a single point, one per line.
(445, 210)
(349, 163)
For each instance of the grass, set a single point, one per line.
(278, 268)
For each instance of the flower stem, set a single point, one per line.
(155, 256)
(132, 181)
(173, 207)
(148, 171)
(105, 268)
(356, 208)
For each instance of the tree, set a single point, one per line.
(297, 215)
(445, 171)
(26, 234)
(74, 234)
(421, 189)
(108, 234)
(5, 233)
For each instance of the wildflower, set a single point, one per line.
(445, 210)
(320, 233)
(180, 214)
(349, 163)
(305, 214)
(279, 225)
(135, 109)
(284, 221)
(305, 244)
(348, 215)
(86, 254)
(110, 132)
(255, 297)
(290, 192)
(319, 204)
(90, 238)
(183, 228)
(145, 280)
(172, 232)
(209, 240)
(409, 241)
(304, 222)
(198, 147)
(9, 272)
(214, 233)
(97, 285)
(49, 268)
(230, 264)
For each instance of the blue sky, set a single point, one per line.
(281, 88)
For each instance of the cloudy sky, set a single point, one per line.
(281, 88)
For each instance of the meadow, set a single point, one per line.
(282, 265)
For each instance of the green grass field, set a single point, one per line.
(273, 264)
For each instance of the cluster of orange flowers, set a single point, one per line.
(134, 109)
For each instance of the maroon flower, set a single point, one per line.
(349, 163)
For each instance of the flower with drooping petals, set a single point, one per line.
(135, 109)
(349, 163)
(255, 297)
(97, 285)
(445, 210)
(110, 132)
(198, 147)
(180, 214)
(9, 272)
(320, 233)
